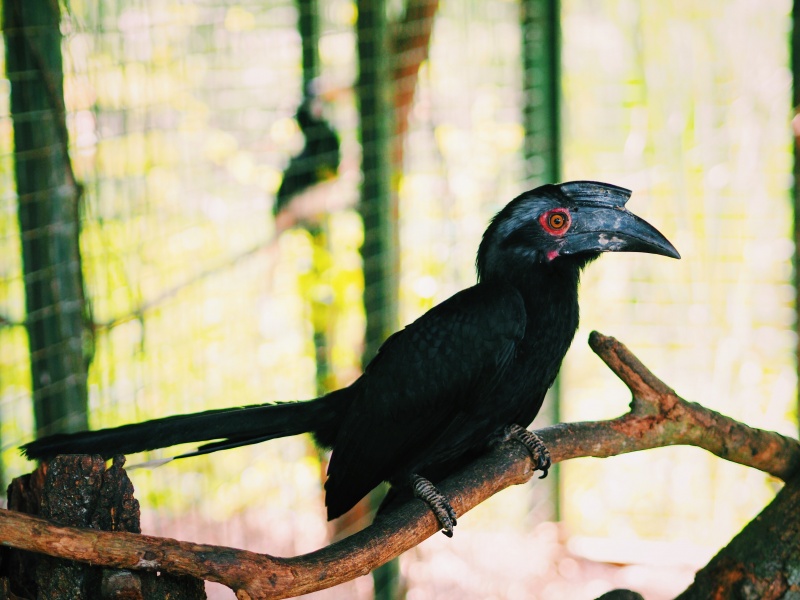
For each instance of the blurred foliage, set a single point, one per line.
(689, 107)
(180, 116)
(180, 129)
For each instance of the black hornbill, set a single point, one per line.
(319, 159)
(471, 371)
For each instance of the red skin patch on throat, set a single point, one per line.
(551, 254)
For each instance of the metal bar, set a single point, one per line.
(378, 204)
(378, 208)
(541, 84)
(48, 214)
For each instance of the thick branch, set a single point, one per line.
(763, 561)
(658, 417)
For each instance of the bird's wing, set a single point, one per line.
(423, 378)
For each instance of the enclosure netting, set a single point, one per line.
(181, 121)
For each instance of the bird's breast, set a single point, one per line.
(536, 365)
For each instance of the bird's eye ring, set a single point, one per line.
(555, 222)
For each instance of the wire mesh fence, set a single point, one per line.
(699, 125)
(182, 120)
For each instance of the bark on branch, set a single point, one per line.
(658, 417)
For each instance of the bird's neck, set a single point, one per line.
(550, 281)
(550, 293)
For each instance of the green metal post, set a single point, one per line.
(48, 217)
(378, 205)
(308, 26)
(795, 60)
(541, 63)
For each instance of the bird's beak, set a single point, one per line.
(612, 229)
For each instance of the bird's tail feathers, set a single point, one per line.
(150, 464)
(223, 428)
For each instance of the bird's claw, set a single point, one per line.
(534, 444)
(444, 513)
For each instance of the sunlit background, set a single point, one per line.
(181, 121)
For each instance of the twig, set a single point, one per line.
(658, 417)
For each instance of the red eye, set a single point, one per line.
(555, 222)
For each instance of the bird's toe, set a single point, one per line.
(441, 508)
(534, 444)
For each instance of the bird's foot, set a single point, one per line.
(534, 445)
(427, 492)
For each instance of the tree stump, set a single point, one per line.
(79, 491)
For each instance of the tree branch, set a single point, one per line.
(658, 417)
(760, 562)
(411, 44)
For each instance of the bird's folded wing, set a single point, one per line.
(422, 379)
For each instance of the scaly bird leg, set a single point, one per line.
(534, 444)
(427, 492)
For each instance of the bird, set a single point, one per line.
(319, 159)
(470, 372)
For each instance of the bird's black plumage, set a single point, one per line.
(449, 384)
(317, 162)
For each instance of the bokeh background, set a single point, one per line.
(180, 121)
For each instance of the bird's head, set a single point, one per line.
(565, 225)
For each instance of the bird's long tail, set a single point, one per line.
(223, 428)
